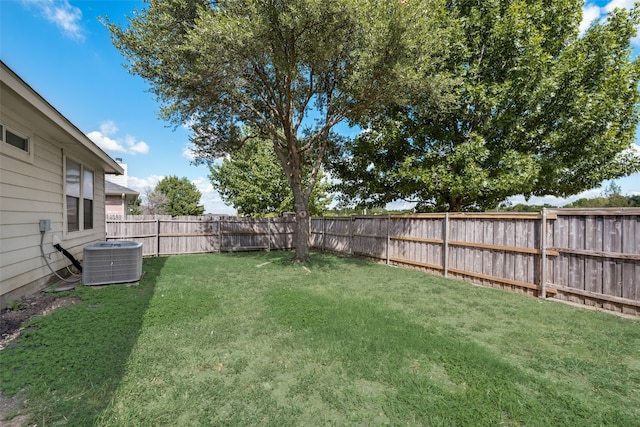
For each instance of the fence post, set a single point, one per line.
(351, 234)
(268, 234)
(446, 244)
(157, 236)
(543, 254)
(388, 236)
(324, 220)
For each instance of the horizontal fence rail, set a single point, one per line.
(588, 256)
(167, 235)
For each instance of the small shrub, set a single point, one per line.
(15, 305)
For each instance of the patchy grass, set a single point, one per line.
(250, 339)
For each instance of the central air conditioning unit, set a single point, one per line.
(110, 262)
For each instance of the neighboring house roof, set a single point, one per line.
(57, 125)
(111, 188)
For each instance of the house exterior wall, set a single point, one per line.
(31, 192)
(115, 205)
(32, 187)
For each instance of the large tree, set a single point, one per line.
(182, 196)
(539, 109)
(252, 181)
(289, 70)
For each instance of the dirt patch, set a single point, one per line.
(12, 411)
(19, 312)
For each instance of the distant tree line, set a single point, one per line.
(611, 197)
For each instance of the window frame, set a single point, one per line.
(8, 149)
(83, 214)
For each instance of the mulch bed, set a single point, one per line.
(12, 320)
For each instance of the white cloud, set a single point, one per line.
(108, 128)
(135, 147)
(622, 4)
(128, 144)
(556, 201)
(142, 184)
(187, 153)
(590, 13)
(211, 200)
(104, 142)
(633, 150)
(66, 17)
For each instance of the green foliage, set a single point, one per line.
(13, 305)
(251, 180)
(346, 211)
(521, 207)
(288, 70)
(136, 207)
(182, 196)
(537, 109)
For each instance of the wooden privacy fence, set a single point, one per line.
(588, 256)
(167, 235)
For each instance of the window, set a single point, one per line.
(87, 196)
(14, 139)
(17, 141)
(79, 192)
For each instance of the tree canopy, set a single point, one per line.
(289, 70)
(182, 196)
(538, 109)
(252, 181)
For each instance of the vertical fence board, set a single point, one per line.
(630, 270)
(488, 255)
(593, 256)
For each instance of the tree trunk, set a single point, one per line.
(303, 227)
(455, 204)
(292, 164)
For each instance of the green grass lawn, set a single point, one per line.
(250, 339)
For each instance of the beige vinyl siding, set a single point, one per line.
(32, 187)
(31, 192)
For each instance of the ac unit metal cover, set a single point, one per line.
(108, 262)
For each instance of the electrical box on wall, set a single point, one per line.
(45, 225)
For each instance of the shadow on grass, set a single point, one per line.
(70, 363)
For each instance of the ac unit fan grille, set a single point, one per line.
(112, 262)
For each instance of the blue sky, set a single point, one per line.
(65, 54)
